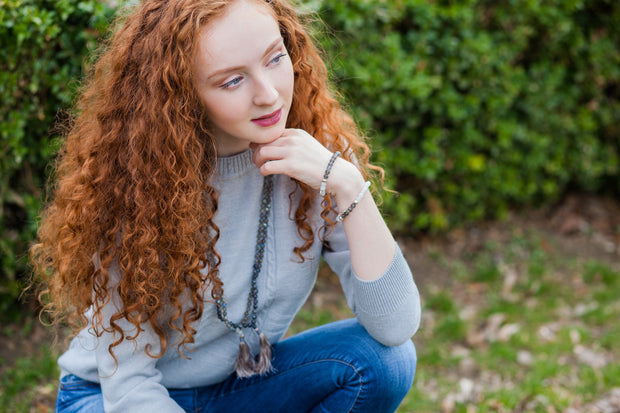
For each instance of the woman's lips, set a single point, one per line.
(269, 120)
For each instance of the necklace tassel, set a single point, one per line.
(245, 365)
(264, 356)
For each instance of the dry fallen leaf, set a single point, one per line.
(589, 357)
(525, 358)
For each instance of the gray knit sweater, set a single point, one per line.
(389, 307)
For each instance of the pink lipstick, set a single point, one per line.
(268, 120)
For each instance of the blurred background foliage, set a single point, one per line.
(473, 106)
(44, 46)
(477, 106)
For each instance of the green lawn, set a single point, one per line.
(523, 327)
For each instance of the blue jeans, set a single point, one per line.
(336, 368)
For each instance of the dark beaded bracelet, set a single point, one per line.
(327, 171)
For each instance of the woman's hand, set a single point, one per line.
(299, 155)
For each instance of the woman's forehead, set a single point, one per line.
(244, 31)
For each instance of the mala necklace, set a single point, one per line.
(247, 365)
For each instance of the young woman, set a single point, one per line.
(207, 171)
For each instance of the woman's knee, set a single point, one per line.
(382, 374)
(394, 369)
(386, 361)
(387, 371)
(406, 359)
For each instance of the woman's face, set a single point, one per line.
(244, 77)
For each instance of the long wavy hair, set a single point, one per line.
(133, 179)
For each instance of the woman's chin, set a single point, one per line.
(269, 136)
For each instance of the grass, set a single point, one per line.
(520, 327)
(541, 337)
(30, 383)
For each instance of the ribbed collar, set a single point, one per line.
(235, 165)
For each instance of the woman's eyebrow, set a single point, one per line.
(271, 46)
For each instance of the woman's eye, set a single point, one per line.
(277, 58)
(232, 83)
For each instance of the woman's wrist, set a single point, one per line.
(345, 182)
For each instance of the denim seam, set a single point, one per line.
(361, 383)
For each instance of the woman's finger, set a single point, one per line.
(264, 153)
(276, 167)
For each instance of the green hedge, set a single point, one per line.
(43, 47)
(476, 106)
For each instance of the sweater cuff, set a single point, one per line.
(387, 293)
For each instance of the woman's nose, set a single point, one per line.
(265, 93)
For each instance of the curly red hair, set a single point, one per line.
(133, 178)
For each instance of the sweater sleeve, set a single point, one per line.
(388, 307)
(132, 383)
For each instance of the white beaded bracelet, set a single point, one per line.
(347, 211)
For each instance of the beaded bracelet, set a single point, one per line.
(327, 171)
(347, 211)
